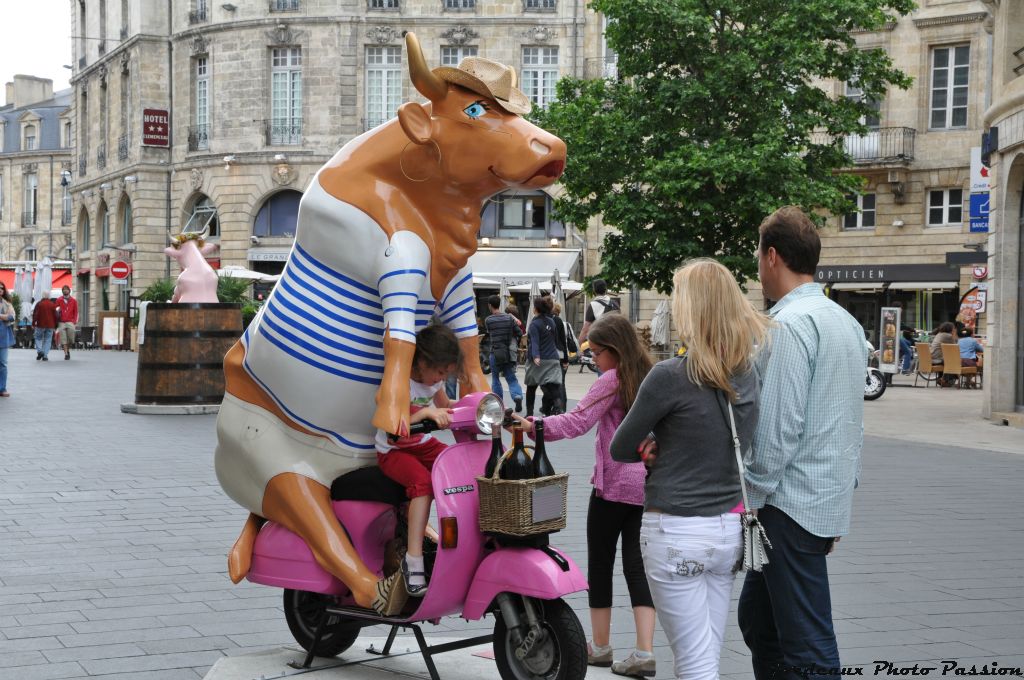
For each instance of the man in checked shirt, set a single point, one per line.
(805, 458)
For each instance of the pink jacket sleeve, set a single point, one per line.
(594, 404)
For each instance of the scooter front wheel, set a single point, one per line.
(874, 384)
(559, 654)
(304, 611)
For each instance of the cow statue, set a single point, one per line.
(384, 235)
(197, 281)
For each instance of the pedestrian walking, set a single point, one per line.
(8, 318)
(543, 363)
(598, 307)
(691, 532)
(44, 322)
(566, 345)
(503, 333)
(616, 501)
(67, 315)
(806, 455)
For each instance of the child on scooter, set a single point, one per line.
(617, 501)
(409, 460)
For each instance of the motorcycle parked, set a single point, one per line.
(522, 583)
(586, 358)
(875, 383)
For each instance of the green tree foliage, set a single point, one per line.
(230, 289)
(708, 127)
(160, 290)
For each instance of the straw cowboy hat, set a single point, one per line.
(490, 79)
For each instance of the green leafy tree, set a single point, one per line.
(717, 117)
(160, 290)
(231, 289)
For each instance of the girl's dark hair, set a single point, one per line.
(7, 293)
(437, 346)
(615, 333)
(542, 305)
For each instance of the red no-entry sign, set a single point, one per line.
(120, 270)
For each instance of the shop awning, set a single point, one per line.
(523, 265)
(862, 287)
(923, 285)
(61, 278)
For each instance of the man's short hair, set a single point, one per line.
(494, 302)
(63, 288)
(795, 238)
(600, 287)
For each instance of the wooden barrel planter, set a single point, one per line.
(181, 359)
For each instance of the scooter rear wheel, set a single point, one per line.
(561, 655)
(304, 611)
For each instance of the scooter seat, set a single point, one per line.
(368, 484)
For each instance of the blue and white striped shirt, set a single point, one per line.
(806, 453)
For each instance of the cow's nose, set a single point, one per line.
(540, 148)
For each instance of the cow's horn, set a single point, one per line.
(428, 84)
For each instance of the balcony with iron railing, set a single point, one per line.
(197, 16)
(282, 132)
(601, 67)
(101, 155)
(198, 137)
(122, 148)
(284, 5)
(880, 146)
(28, 218)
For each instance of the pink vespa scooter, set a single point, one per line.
(536, 634)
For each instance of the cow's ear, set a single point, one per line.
(209, 248)
(170, 251)
(415, 122)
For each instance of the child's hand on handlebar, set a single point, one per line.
(441, 416)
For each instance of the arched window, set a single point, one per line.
(203, 215)
(278, 215)
(124, 222)
(104, 219)
(83, 232)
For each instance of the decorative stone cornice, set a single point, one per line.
(126, 59)
(460, 35)
(102, 72)
(284, 35)
(382, 35)
(967, 18)
(199, 46)
(539, 34)
(888, 27)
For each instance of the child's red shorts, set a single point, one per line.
(410, 466)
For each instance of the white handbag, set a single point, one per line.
(755, 540)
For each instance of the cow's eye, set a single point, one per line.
(475, 110)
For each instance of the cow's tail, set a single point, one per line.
(240, 555)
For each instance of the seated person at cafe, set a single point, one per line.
(970, 348)
(943, 336)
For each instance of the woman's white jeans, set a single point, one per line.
(689, 563)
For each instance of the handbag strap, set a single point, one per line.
(739, 457)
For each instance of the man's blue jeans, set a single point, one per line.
(507, 371)
(906, 354)
(44, 338)
(785, 611)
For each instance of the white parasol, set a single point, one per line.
(503, 294)
(661, 325)
(534, 293)
(235, 272)
(44, 279)
(556, 290)
(23, 287)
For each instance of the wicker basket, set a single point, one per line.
(522, 507)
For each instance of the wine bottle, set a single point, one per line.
(541, 465)
(496, 450)
(518, 465)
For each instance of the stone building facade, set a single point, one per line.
(35, 149)
(1004, 121)
(257, 95)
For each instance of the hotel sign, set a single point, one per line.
(156, 128)
(884, 272)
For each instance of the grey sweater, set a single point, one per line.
(695, 472)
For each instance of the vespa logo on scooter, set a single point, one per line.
(458, 489)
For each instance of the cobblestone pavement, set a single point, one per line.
(113, 534)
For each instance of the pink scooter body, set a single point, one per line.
(465, 578)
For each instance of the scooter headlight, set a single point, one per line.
(489, 412)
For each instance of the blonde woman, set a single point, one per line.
(690, 533)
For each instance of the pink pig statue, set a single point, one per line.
(197, 281)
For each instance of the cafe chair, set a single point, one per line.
(951, 361)
(926, 368)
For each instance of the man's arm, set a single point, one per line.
(780, 425)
